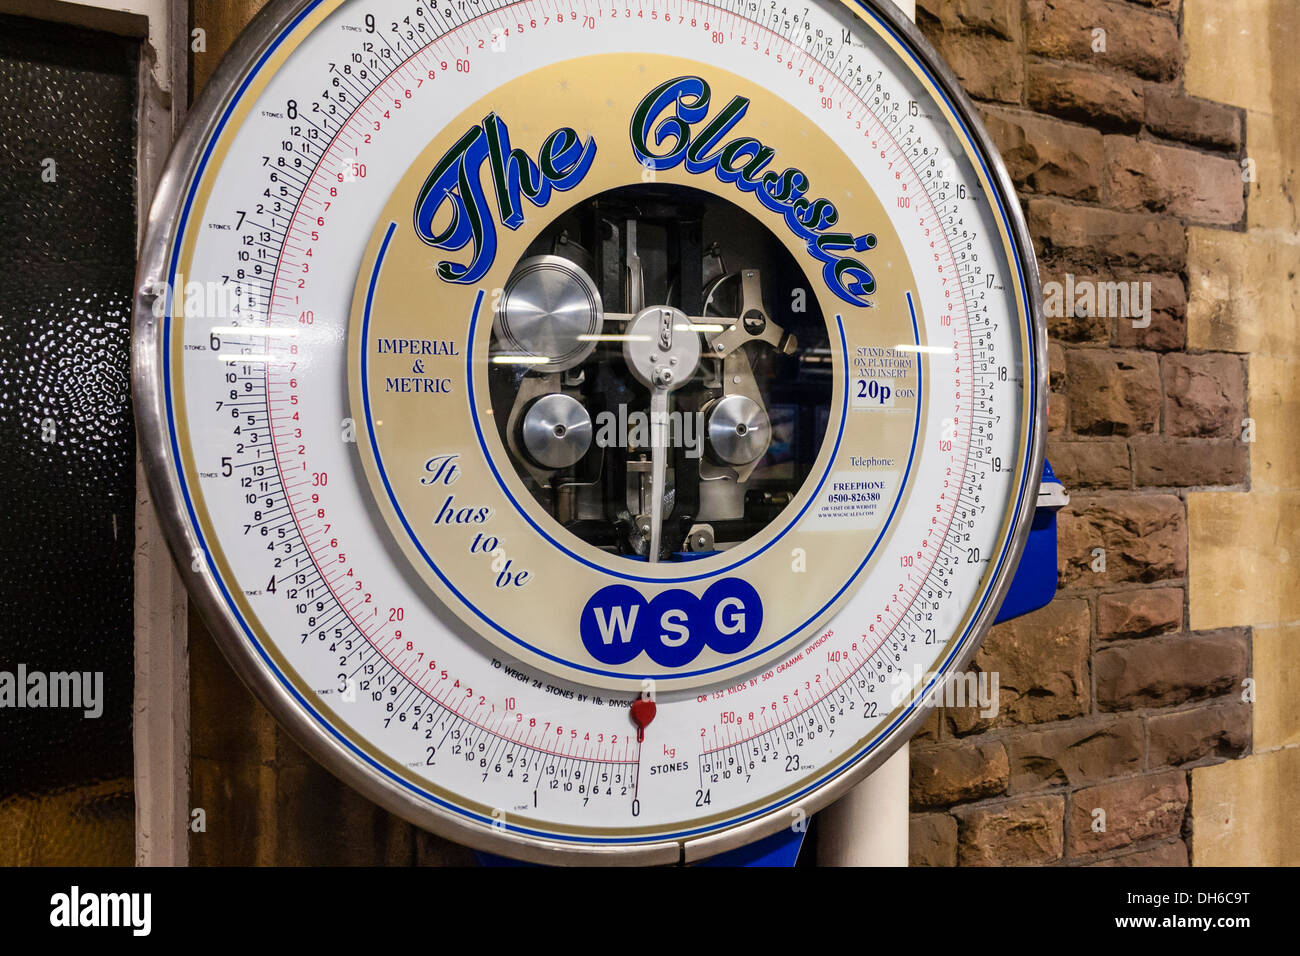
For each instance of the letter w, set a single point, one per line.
(618, 621)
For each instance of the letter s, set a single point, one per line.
(674, 636)
(672, 620)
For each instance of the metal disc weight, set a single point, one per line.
(550, 309)
(556, 431)
(738, 430)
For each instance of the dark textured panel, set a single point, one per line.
(67, 441)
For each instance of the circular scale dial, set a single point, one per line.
(592, 429)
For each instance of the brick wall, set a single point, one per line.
(1107, 698)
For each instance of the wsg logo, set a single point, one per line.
(618, 623)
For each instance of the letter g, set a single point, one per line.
(736, 622)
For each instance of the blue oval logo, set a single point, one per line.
(674, 626)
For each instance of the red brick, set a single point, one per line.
(1168, 6)
(1090, 464)
(1019, 833)
(1141, 613)
(1166, 295)
(1075, 753)
(1144, 539)
(1165, 671)
(1093, 308)
(1218, 730)
(1199, 122)
(1041, 660)
(1070, 318)
(989, 68)
(1058, 409)
(930, 728)
(1102, 100)
(1168, 853)
(1087, 240)
(1113, 392)
(1190, 463)
(932, 840)
(1002, 18)
(957, 772)
(1169, 179)
(1205, 395)
(1134, 40)
(1138, 808)
(1047, 156)
(1056, 364)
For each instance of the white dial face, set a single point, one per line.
(594, 425)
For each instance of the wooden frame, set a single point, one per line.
(160, 725)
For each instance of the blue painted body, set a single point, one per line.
(779, 849)
(1034, 583)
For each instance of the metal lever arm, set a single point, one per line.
(658, 466)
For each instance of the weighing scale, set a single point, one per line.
(593, 430)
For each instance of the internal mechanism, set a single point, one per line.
(660, 373)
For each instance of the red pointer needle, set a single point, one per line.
(643, 711)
